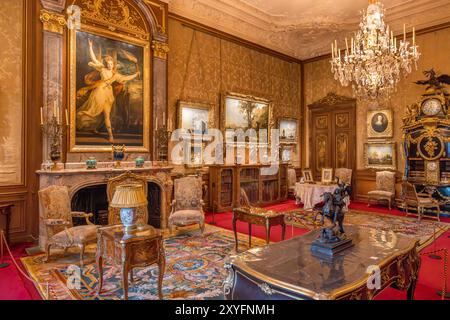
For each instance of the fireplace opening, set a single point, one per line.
(94, 199)
(154, 197)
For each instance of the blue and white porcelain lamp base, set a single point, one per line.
(128, 218)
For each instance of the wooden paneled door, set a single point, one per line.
(332, 134)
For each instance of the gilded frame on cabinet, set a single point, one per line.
(381, 166)
(72, 90)
(307, 175)
(285, 140)
(195, 104)
(238, 96)
(385, 119)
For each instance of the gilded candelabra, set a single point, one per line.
(54, 131)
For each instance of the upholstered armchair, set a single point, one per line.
(123, 179)
(344, 175)
(419, 201)
(291, 180)
(187, 205)
(55, 206)
(385, 188)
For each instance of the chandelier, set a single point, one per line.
(373, 60)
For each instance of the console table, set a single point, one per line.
(140, 249)
(258, 216)
(289, 270)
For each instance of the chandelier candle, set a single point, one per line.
(373, 64)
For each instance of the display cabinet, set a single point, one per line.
(226, 181)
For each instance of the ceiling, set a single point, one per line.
(304, 28)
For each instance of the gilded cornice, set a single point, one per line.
(53, 22)
(160, 49)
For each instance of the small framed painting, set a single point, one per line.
(379, 124)
(288, 130)
(380, 155)
(194, 116)
(307, 175)
(286, 154)
(194, 158)
(327, 175)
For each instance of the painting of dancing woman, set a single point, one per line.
(109, 95)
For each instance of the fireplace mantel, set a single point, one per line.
(76, 177)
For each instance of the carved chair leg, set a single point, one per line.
(82, 247)
(47, 251)
(202, 226)
(438, 213)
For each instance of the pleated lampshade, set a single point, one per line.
(129, 196)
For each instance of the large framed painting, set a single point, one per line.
(380, 155)
(288, 130)
(195, 117)
(379, 124)
(109, 91)
(245, 112)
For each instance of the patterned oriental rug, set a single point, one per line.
(427, 230)
(194, 270)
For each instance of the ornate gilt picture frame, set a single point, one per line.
(109, 90)
(380, 155)
(195, 116)
(239, 111)
(380, 124)
(307, 175)
(288, 130)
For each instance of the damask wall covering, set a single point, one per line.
(202, 66)
(11, 92)
(435, 48)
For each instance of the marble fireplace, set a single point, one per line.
(86, 190)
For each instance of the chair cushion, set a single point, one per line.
(380, 193)
(186, 216)
(76, 235)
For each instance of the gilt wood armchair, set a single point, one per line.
(385, 188)
(55, 205)
(124, 179)
(419, 201)
(187, 205)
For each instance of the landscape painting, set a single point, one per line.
(244, 112)
(193, 117)
(108, 93)
(380, 155)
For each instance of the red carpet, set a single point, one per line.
(13, 286)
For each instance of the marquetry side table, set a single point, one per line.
(141, 249)
(258, 216)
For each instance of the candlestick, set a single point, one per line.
(346, 46)
(156, 124)
(67, 118)
(414, 36)
(54, 108)
(332, 51)
(404, 33)
(42, 117)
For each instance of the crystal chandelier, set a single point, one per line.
(373, 60)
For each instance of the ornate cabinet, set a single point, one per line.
(332, 133)
(426, 130)
(226, 180)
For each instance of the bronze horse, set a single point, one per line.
(332, 206)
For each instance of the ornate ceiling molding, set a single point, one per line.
(304, 29)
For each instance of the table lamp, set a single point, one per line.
(128, 198)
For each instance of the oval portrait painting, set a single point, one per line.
(379, 122)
